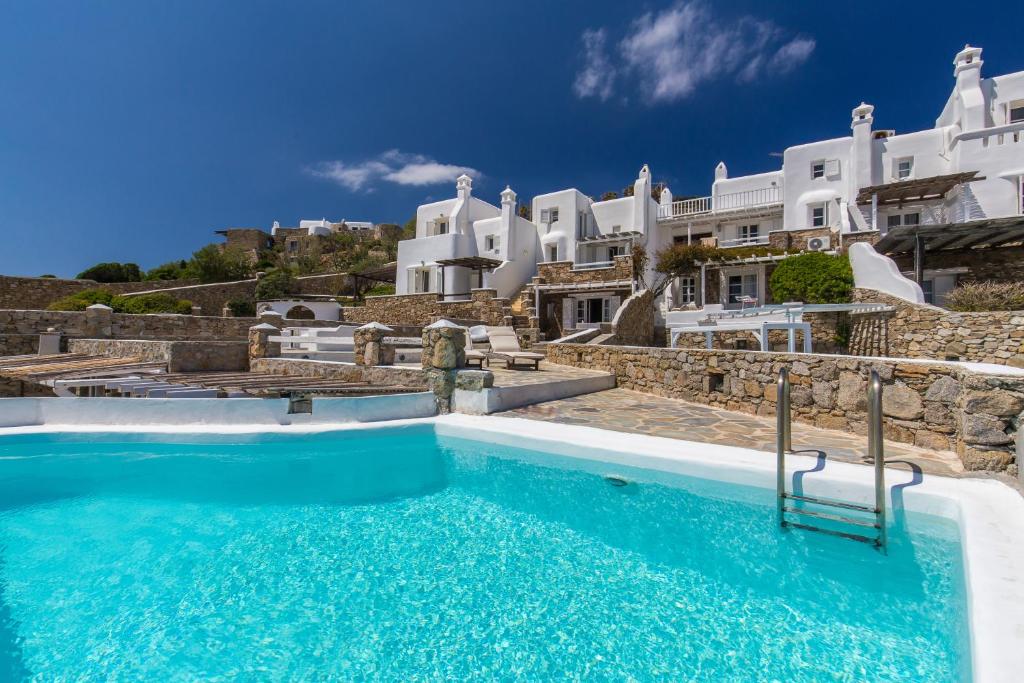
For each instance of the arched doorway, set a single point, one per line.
(300, 313)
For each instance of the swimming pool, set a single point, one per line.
(434, 550)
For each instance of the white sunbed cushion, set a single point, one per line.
(478, 333)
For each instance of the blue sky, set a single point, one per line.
(130, 131)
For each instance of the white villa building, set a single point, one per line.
(872, 185)
(968, 167)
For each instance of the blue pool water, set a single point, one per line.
(398, 555)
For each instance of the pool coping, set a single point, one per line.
(989, 513)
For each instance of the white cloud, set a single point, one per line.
(393, 166)
(670, 53)
(597, 75)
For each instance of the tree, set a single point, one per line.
(112, 272)
(172, 270)
(609, 195)
(214, 264)
(676, 260)
(409, 229)
(813, 278)
(277, 284)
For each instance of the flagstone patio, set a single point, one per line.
(629, 411)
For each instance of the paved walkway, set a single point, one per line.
(629, 411)
(549, 372)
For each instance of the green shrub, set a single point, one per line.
(277, 284)
(173, 270)
(813, 278)
(986, 296)
(157, 302)
(214, 264)
(383, 289)
(112, 272)
(79, 301)
(241, 308)
(143, 303)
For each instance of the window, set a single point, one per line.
(491, 243)
(1016, 112)
(616, 228)
(553, 252)
(419, 280)
(553, 215)
(293, 246)
(617, 250)
(441, 226)
(819, 215)
(742, 285)
(818, 169)
(900, 219)
(687, 290)
(904, 168)
(749, 232)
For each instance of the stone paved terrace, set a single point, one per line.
(629, 411)
(549, 372)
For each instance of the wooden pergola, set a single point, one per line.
(986, 233)
(475, 263)
(916, 190)
(364, 279)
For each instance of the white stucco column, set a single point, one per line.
(508, 222)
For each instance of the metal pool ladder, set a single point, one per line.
(784, 444)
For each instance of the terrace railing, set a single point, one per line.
(731, 201)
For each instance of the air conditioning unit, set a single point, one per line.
(819, 243)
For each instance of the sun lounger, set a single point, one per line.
(505, 346)
(472, 355)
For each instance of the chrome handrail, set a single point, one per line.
(783, 436)
(876, 450)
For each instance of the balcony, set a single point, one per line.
(755, 241)
(732, 202)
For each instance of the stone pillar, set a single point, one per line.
(260, 345)
(370, 347)
(444, 352)
(49, 342)
(99, 321)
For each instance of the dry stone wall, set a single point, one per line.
(923, 331)
(483, 306)
(40, 292)
(939, 406)
(181, 356)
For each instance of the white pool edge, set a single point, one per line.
(989, 513)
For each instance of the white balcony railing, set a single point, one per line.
(733, 201)
(744, 241)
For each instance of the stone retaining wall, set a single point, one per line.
(483, 306)
(939, 406)
(923, 331)
(381, 375)
(633, 324)
(40, 292)
(181, 356)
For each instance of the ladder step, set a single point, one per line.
(833, 518)
(831, 503)
(853, 537)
